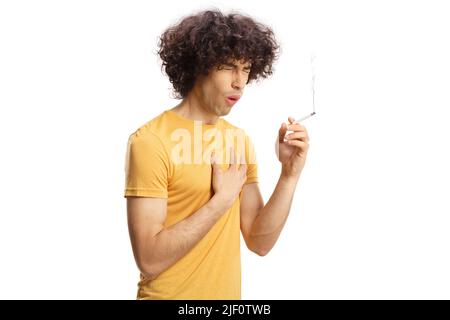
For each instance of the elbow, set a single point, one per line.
(261, 253)
(148, 270)
(258, 249)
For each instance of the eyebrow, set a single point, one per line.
(234, 65)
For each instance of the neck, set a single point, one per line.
(191, 107)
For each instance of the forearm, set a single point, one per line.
(270, 220)
(174, 242)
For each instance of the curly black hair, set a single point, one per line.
(208, 39)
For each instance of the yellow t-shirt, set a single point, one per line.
(169, 157)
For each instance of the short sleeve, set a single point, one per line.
(250, 157)
(146, 166)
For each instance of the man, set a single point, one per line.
(190, 193)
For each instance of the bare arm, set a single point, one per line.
(261, 224)
(157, 248)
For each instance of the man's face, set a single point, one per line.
(213, 90)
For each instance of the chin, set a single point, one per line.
(225, 111)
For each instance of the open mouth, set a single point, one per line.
(231, 101)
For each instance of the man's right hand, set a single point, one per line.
(227, 184)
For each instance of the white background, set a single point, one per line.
(370, 217)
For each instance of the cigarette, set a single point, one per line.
(313, 56)
(305, 117)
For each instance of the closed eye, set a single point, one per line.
(232, 66)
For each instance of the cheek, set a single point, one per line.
(222, 83)
(218, 92)
(208, 93)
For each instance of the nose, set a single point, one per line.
(238, 81)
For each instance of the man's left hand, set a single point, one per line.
(292, 151)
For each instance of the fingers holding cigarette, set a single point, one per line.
(299, 131)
